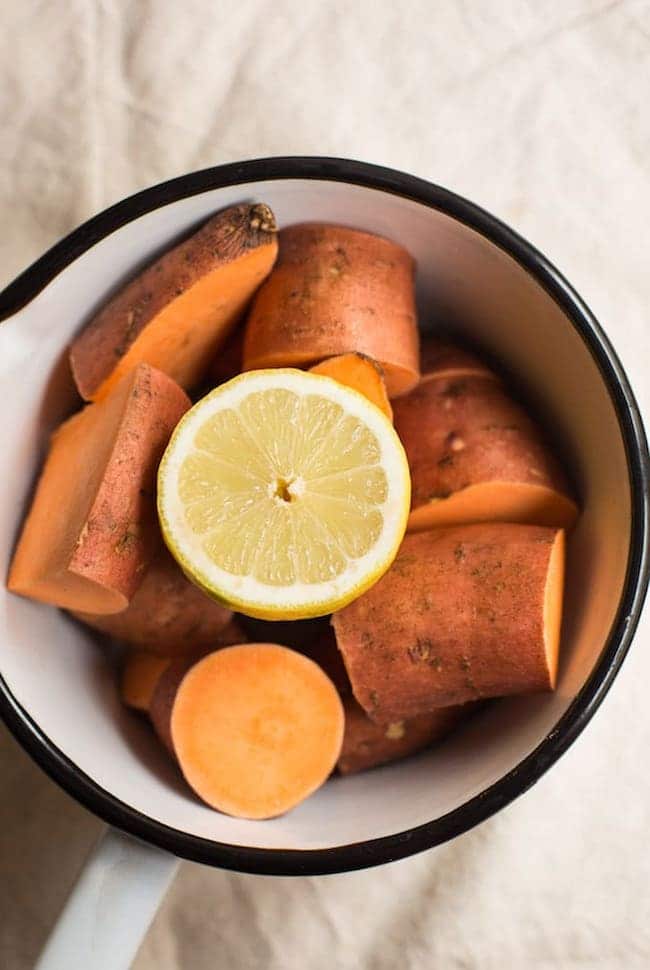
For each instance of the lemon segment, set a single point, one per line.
(284, 494)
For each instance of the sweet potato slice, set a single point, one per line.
(367, 744)
(360, 373)
(92, 528)
(180, 310)
(168, 615)
(440, 357)
(476, 456)
(336, 290)
(463, 613)
(256, 728)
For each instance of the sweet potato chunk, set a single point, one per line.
(256, 728)
(143, 669)
(440, 357)
(168, 615)
(463, 613)
(476, 456)
(336, 290)
(92, 528)
(140, 675)
(228, 362)
(360, 373)
(367, 744)
(180, 310)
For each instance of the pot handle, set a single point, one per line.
(110, 907)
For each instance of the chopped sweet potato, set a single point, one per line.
(180, 310)
(367, 744)
(92, 528)
(440, 357)
(229, 359)
(360, 373)
(140, 675)
(256, 728)
(463, 613)
(167, 615)
(476, 456)
(143, 669)
(336, 290)
(324, 651)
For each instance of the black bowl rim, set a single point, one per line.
(371, 852)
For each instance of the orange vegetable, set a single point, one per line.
(361, 373)
(255, 728)
(463, 613)
(440, 357)
(168, 615)
(367, 744)
(92, 528)
(336, 290)
(229, 359)
(143, 669)
(180, 310)
(140, 675)
(476, 456)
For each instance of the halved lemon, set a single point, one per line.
(284, 494)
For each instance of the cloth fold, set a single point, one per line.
(537, 111)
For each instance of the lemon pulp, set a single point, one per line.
(284, 493)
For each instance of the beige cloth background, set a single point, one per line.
(539, 111)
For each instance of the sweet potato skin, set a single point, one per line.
(333, 291)
(161, 703)
(461, 432)
(92, 528)
(440, 357)
(368, 745)
(458, 617)
(229, 359)
(100, 353)
(168, 614)
(140, 675)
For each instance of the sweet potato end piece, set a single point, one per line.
(497, 502)
(187, 333)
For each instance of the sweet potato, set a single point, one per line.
(367, 744)
(463, 613)
(229, 359)
(360, 373)
(256, 728)
(336, 290)
(143, 669)
(440, 357)
(476, 456)
(168, 615)
(140, 675)
(92, 528)
(179, 311)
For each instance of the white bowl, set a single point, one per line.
(476, 277)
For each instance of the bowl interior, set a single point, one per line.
(62, 676)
